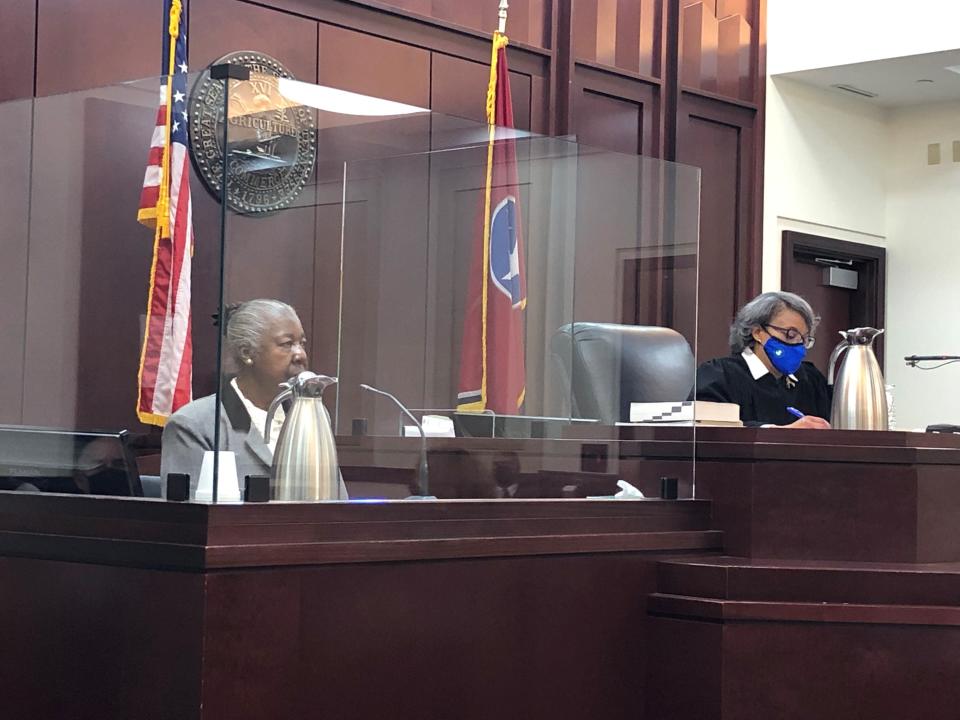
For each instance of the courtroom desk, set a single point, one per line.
(483, 467)
(775, 493)
(839, 596)
(122, 608)
(740, 639)
(832, 495)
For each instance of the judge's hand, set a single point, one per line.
(810, 422)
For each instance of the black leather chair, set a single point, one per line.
(608, 366)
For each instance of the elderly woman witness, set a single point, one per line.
(266, 342)
(766, 374)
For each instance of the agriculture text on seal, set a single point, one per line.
(271, 140)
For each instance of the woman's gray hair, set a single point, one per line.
(760, 311)
(249, 322)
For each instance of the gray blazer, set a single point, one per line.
(189, 432)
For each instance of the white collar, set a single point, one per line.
(756, 367)
(258, 417)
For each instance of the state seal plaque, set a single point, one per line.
(272, 141)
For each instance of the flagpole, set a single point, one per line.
(502, 14)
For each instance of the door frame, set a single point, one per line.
(870, 307)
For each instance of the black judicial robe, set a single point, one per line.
(764, 401)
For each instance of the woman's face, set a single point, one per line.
(282, 353)
(786, 325)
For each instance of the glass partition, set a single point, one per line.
(609, 262)
(370, 225)
(73, 291)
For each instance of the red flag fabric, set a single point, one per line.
(492, 363)
(166, 359)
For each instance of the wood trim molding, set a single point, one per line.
(874, 256)
(198, 538)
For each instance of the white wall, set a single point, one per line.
(840, 167)
(807, 34)
(824, 170)
(923, 261)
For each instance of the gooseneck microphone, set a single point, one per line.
(423, 479)
(912, 360)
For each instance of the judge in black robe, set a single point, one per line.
(749, 376)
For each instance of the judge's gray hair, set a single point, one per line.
(249, 322)
(760, 311)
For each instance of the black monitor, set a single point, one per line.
(68, 461)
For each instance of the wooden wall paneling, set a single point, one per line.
(101, 632)
(90, 43)
(719, 138)
(53, 283)
(456, 199)
(459, 87)
(456, 182)
(606, 32)
(364, 63)
(443, 38)
(720, 46)
(652, 19)
(618, 33)
(266, 256)
(469, 14)
(218, 27)
(608, 191)
(562, 69)
(759, 95)
(17, 42)
(347, 620)
(699, 41)
(375, 18)
(610, 122)
(374, 66)
(16, 119)
(525, 20)
(584, 23)
(615, 112)
(384, 288)
(112, 304)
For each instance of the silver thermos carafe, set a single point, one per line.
(305, 460)
(859, 393)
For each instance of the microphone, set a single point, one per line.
(912, 360)
(423, 479)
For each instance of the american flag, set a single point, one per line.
(165, 376)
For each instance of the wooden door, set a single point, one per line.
(805, 257)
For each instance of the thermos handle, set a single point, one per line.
(834, 356)
(277, 401)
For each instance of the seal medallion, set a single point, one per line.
(272, 141)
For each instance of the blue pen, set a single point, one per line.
(796, 413)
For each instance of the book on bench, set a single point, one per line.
(687, 412)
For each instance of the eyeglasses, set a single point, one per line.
(793, 336)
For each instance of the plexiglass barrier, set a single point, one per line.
(506, 317)
(403, 264)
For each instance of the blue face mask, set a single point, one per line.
(785, 358)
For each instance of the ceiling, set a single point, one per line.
(894, 80)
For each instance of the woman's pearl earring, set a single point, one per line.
(247, 361)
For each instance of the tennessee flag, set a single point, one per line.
(164, 379)
(492, 368)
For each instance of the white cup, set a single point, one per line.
(228, 488)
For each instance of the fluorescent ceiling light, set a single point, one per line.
(855, 90)
(342, 102)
